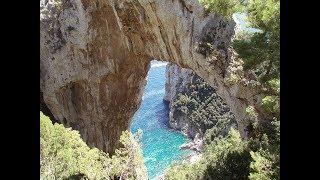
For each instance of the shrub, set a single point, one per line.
(204, 109)
(64, 155)
(225, 158)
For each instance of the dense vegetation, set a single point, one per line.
(64, 155)
(258, 157)
(230, 157)
(261, 55)
(203, 108)
(224, 158)
(223, 7)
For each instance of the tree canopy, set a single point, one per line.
(64, 155)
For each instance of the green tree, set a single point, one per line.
(260, 51)
(223, 7)
(64, 155)
(200, 105)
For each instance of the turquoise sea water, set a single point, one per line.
(160, 144)
(241, 20)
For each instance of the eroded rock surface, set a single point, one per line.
(95, 56)
(176, 80)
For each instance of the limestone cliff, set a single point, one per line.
(95, 56)
(176, 80)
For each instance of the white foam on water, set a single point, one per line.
(152, 93)
(155, 64)
(242, 22)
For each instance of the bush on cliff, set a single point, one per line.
(260, 51)
(203, 108)
(231, 157)
(223, 7)
(225, 158)
(64, 155)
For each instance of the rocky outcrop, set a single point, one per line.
(196, 145)
(95, 56)
(176, 80)
(83, 84)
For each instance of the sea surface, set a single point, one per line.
(160, 144)
(242, 22)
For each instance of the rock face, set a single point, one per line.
(176, 80)
(195, 145)
(95, 56)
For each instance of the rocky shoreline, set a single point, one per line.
(195, 145)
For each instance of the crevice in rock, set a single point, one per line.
(45, 110)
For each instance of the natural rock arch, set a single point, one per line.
(95, 56)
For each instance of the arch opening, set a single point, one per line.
(160, 143)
